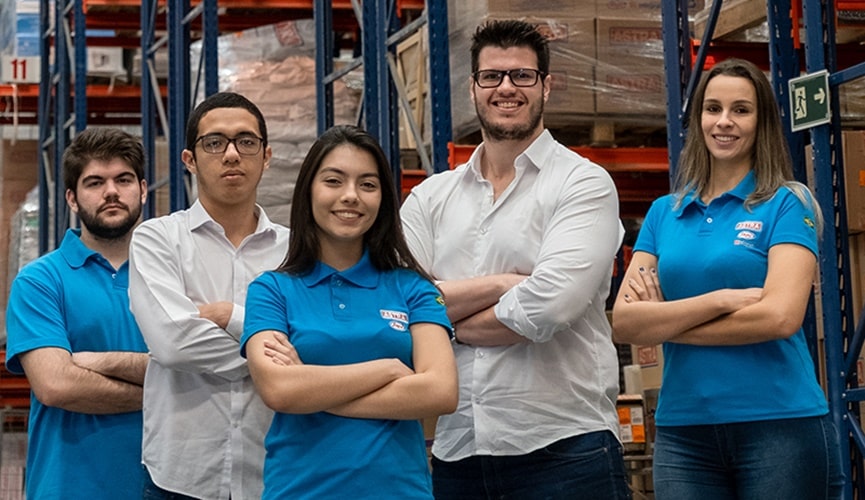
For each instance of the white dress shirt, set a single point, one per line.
(204, 424)
(558, 223)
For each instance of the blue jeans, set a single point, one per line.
(153, 492)
(786, 459)
(589, 466)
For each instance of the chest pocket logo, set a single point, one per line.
(396, 319)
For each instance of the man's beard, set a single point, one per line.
(109, 231)
(513, 132)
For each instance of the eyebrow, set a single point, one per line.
(340, 171)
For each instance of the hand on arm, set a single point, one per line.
(127, 366)
(777, 314)
(469, 296)
(58, 382)
(301, 388)
(180, 335)
(484, 329)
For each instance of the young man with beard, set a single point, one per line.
(71, 332)
(523, 238)
(204, 424)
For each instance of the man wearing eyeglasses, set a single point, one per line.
(204, 425)
(523, 238)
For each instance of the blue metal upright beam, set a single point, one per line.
(826, 142)
(178, 99)
(149, 94)
(677, 66)
(377, 84)
(46, 89)
(324, 45)
(439, 82)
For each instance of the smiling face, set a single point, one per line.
(729, 121)
(107, 199)
(228, 178)
(508, 112)
(346, 196)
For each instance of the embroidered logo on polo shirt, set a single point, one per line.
(809, 222)
(748, 230)
(398, 319)
(751, 225)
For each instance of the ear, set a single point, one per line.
(548, 85)
(189, 160)
(143, 185)
(72, 200)
(472, 90)
(268, 154)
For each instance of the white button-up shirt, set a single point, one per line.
(204, 424)
(558, 223)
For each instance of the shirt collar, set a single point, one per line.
(74, 251)
(538, 154)
(741, 191)
(362, 274)
(199, 217)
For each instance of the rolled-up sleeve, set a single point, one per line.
(575, 259)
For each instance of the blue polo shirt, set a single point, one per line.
(73, 299)
(703, 248)
(335, 318)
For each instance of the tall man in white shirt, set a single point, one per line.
(204, 425)
(523, 239)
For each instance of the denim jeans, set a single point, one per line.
(153, 492)
(786, 459)
(588, 467)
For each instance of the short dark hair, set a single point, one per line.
(221, 100)
(505, 34)
(384, 240)
(105, 144)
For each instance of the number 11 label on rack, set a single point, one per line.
(15, 69)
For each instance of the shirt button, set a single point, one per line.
(709, 220)
(342, 306)
(480, 354)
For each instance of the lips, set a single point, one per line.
(113, 206)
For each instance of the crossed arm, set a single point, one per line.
(86, 382)
(722, 317)
(470, 308)
(382, 388)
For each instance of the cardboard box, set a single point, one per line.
(630, 90)
(548, 8)
(630, 42)
(651, 361)
(632, 427)
(735, 16)
(643, 9)
(853, 151)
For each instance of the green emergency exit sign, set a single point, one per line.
(809, 100)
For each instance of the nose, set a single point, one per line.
(111, 189)
(724, 119)
(349, 194)
(231, 151)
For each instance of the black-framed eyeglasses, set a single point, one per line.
(520, 77)
(245, 144)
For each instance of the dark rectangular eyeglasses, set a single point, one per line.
(492, 78)
(246, 144)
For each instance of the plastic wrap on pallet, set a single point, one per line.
(606, 59)
(7, 28)
(274, 66)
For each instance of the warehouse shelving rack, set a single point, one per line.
(843, 339)
(60, 115)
